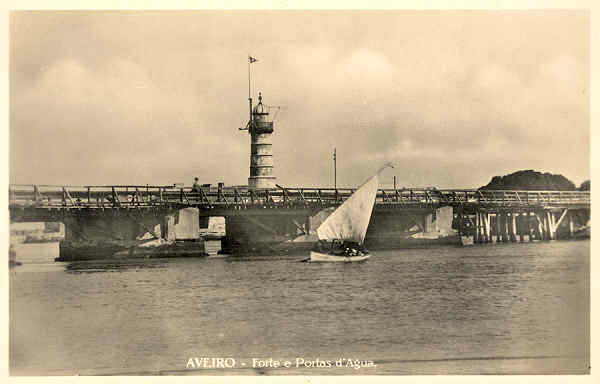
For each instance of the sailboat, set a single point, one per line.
(342, 234)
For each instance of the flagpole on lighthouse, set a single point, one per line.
(250, 61)
(249, 97)
(248, 76)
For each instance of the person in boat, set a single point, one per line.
(329, 247)
(340, 248)
(352, 248)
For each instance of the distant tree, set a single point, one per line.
(585, 186)
(531, 180)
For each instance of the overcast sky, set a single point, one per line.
(452, 98)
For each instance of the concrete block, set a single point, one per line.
(36, 253)
(212, 246)
(188, 224)
(443, 220)
(429, 223)
(170, 233)
(26, 228)
(216, 226)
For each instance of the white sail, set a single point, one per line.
(351, 219)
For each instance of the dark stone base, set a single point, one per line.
(80, 252)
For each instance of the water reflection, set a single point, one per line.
(95, 266)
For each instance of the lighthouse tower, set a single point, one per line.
(260, 129)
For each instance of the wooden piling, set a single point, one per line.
(477, 225)
(543, 232)
(523, 228)
(513, 227)
(570, 225)
(486, 228)
(505, 227)
(530, 226)
(460, 220)
(492, 235)
(519, 227)
(498, 227)
(550, 224)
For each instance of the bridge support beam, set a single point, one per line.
(551, 225)
(512, 227)
(498, 227)
(531, 225)
(487, 229)
(540, 226)
(505, 227)
(523, 226)
(482, 225)
(477, 228)
(570, 225)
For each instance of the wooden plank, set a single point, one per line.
(237, 194)
(138, 196)
(302, 196)
(481, 194)
(571, 225)
(184, 197)
(225, 199)
(518, 197)
(116, 201)
(204, 197)
(477, 228)
(560, 219)
(68, 196)
(300, 227)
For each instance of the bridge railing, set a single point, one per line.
(107, 196)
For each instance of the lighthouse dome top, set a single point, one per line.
(260, 108)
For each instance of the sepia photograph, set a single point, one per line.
(299, 192)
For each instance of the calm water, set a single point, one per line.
(508, 308)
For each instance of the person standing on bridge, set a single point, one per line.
(196, 186)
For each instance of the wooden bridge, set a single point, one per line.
(52, 197)
(99, 219)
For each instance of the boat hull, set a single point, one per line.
(316, 257)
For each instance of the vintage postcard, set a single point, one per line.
(319, 192)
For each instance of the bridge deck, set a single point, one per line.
(146, 196)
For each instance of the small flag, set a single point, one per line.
(251, 59)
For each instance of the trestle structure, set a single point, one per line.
(521, 224)
(147, 196)
(120, 216)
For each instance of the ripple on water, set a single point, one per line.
(511, 308)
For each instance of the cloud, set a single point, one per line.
(157, 97)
